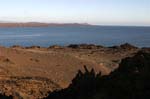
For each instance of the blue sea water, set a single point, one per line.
(65, 35)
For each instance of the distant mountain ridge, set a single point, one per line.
(39, 24)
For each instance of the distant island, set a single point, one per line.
(38, 24)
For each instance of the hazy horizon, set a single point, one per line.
(97, 12)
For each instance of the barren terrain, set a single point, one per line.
(32, 72)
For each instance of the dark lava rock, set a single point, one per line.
(85, 46)
(73, 46)
(33, 47)
(5, 97)
(147, 50)
(125, 46)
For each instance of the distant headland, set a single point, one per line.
(39, 24)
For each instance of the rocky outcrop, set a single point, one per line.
(33, 47)
(55, 47)
(17, 46)
(125, 46)
(85, 46)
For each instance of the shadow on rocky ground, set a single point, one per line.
(5, 97)
(130, 81)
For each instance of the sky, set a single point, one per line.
(100, 12)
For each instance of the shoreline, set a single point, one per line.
(80, 46)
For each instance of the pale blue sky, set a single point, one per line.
(103, 12)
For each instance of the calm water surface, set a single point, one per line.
(65, 35)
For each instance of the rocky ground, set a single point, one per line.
(129, 81)
(32, 72)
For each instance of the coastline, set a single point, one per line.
(39, 24)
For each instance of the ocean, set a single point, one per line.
(65, 35)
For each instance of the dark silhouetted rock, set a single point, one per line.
(85, 46)
(5, 97)
(33, 47)
(73, 46)
(127, 46)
